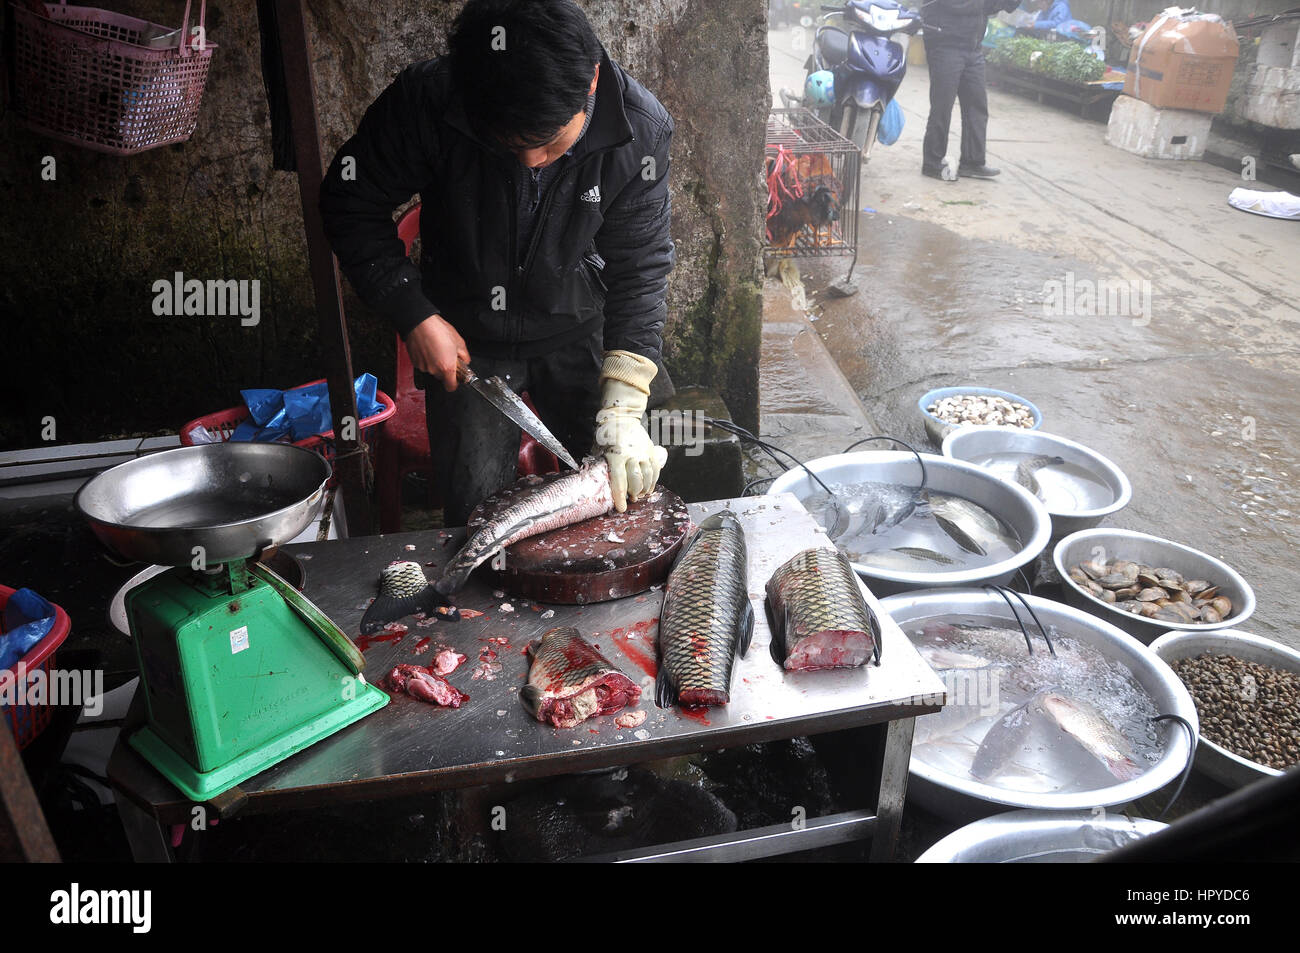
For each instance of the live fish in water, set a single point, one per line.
(1074, 717)
(706, 620)
(1026, 469)
(570, 681)
(819, 617)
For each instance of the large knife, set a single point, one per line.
(498, 393)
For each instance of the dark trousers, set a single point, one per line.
(475, 449)
(956, 73)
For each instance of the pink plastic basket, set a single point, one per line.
(108, 82)
(222, 424)
(28, 721)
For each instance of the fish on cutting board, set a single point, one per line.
(706, 620)
(569, 681)
(556, 501)
(820, 619)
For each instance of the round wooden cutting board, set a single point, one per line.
(609, 557)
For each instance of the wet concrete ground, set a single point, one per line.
(1194, 397)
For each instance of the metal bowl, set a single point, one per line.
(938, 429)
(1091, 504)
(1037, 837)
(964, 797)
(1014, 505)
(1149, 551)
(1214, 760)
(231, 499)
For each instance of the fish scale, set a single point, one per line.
(820, 619)
(706, 618)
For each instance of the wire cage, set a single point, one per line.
(812, 178)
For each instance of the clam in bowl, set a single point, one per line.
(1109, 545)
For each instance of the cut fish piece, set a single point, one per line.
(819, 617)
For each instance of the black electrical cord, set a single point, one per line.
(1015, 615)
(905, 446)
(1191, 757)
(753, 483)
(1041, 628)
(770, 449)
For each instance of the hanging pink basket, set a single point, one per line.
(108, 82)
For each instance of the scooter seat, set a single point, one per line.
(833, 45)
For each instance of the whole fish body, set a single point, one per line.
(1073, 716)
(706, 619)
(999, 643)
(1088, 727)
(569, 681)
(556, 501)
(820, 619)
(972, 527)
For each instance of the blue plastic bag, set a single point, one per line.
(300, 413)
(891, 124)
(28, 618)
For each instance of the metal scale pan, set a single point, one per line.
(232, 499)
(217, 713)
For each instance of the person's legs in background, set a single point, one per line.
(945, 63)
(564, 387)
(974, 99)
(475, 448)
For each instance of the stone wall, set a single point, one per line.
(83, 250)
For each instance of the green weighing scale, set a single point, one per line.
(239, 669)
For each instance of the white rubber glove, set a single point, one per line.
(634, 460)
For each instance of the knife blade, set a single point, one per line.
(498, 393)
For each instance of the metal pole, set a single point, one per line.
(350, 460)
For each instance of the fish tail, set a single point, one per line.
(665, 691)
(777, 624)
(746, 627)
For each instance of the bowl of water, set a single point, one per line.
(1039, 837)
(1078, 485)
(1068, 731)
(965, 527)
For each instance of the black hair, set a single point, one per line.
(523, 67)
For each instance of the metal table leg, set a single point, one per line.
(148, 839)
(893, 788)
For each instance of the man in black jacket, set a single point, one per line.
(956, 61)
(542, 169)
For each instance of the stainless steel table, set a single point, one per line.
(409, 746)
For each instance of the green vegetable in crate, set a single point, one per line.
(1066, 61)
